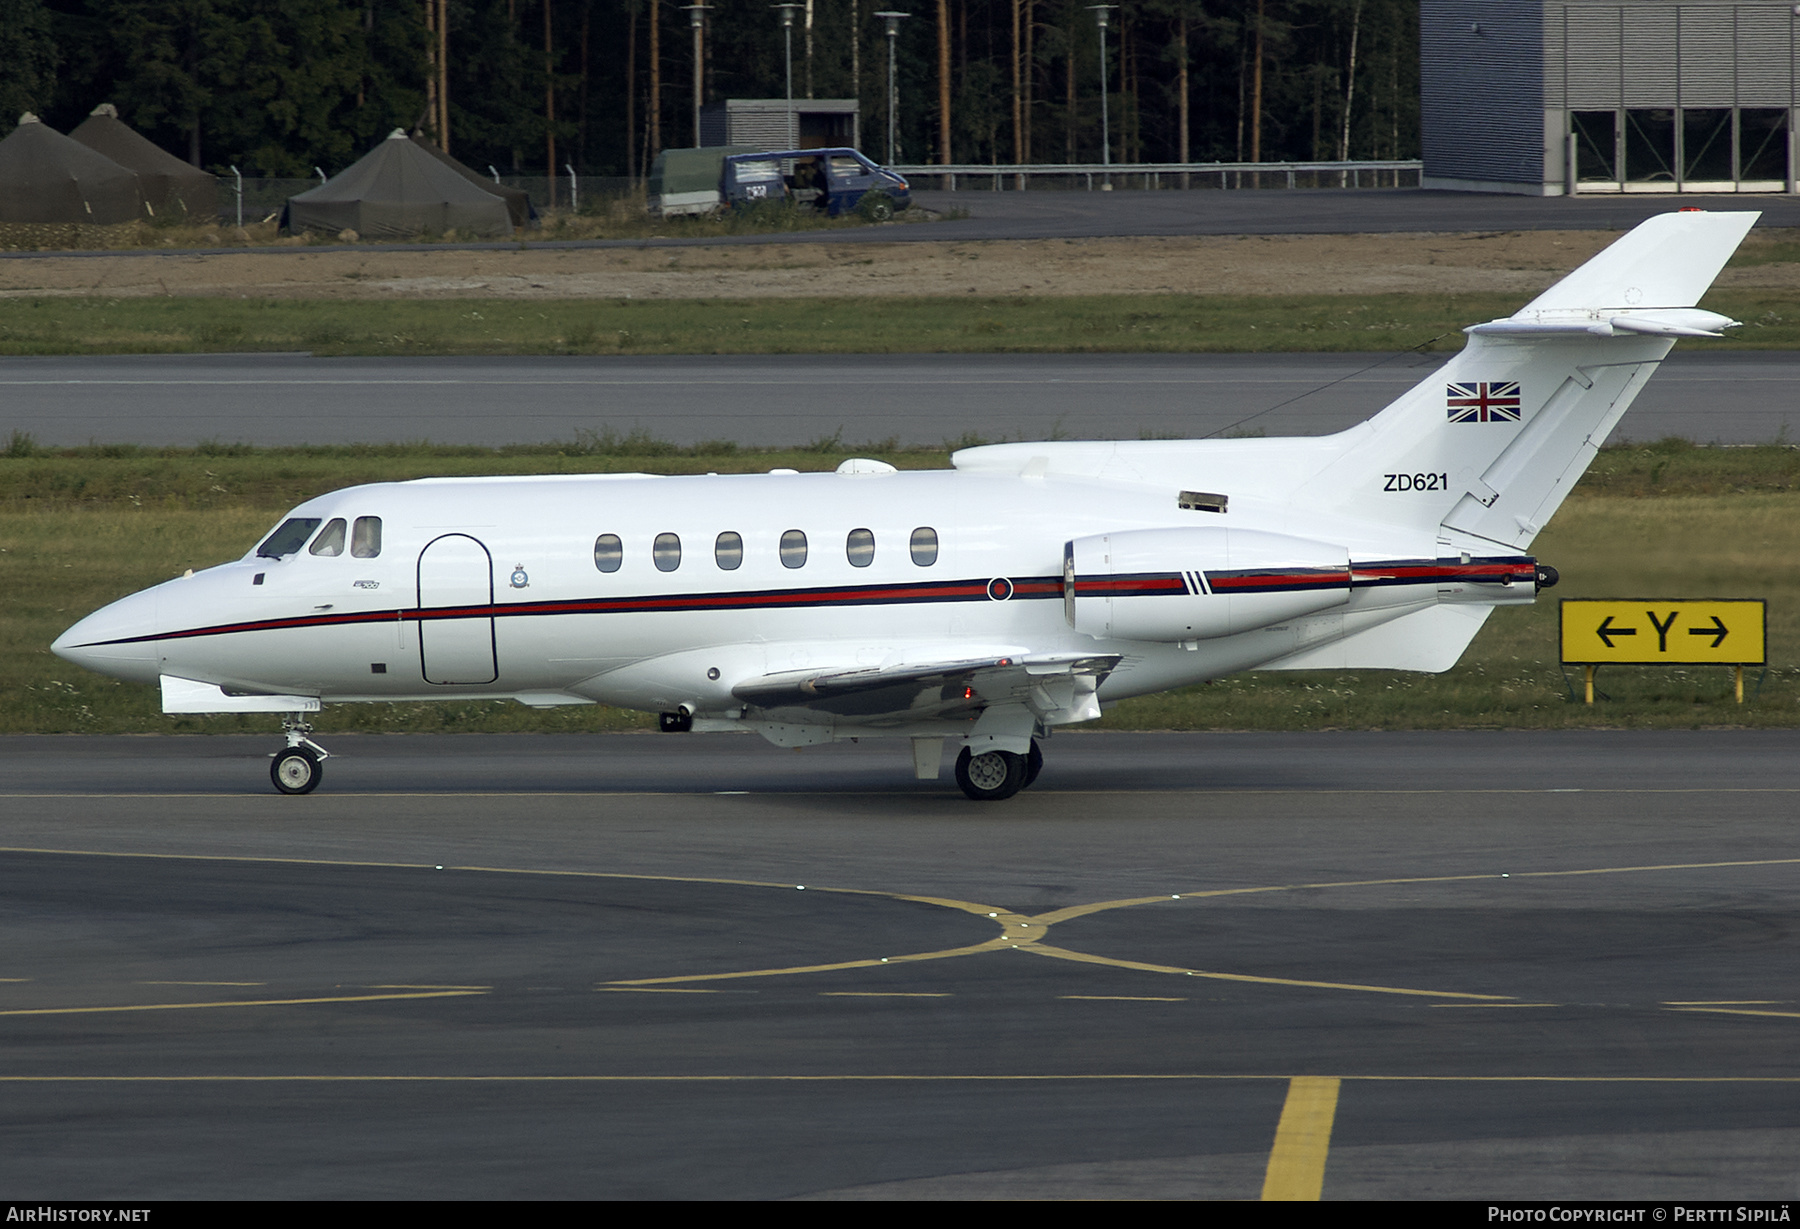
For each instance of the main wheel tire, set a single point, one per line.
(296, 771)
(990, 776)
(1034, 764)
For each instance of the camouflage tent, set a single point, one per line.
(395, 191)
(518, 203)
(169, 184)
(46, 177)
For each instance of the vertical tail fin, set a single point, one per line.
(1493, 442)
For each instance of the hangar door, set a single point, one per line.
(456, 602)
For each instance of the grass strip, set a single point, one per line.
(81, 527)
(967, 324)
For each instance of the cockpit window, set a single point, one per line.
(330, 543)
(365, 539)
(289, 538)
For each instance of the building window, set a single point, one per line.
(1762, 143)
(666, 552)
(1650, 145)
(1596, 145)
(1706, 145)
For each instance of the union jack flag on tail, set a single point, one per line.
(1483, 401)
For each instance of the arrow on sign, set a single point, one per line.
(1606, 631)
(1718, 631)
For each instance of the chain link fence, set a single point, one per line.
(1154, 176)
(582, 194)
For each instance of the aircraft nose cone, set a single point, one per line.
(112, 640)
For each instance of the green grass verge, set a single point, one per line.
(79, 528)
(971, 324)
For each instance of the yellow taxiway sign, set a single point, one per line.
(1720, 633)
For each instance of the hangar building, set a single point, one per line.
(1546, 97)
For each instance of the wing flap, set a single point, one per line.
(1047, 683)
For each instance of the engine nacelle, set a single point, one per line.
(1192, 584)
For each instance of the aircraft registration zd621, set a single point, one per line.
(987, 604)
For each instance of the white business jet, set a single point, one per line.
(984, 605)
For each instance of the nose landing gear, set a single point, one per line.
(297, 768)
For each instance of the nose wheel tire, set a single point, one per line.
(990, 776)
(296, 771)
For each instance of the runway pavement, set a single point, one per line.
(1721, 396)
(1055, 215)
(1472, 965)
(976, 212)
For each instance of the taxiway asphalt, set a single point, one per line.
(1493, 965)
(976, 212)
(1733, 397)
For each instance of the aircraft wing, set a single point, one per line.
(1055, 686)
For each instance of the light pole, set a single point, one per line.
(697, 19)
(787, 12)
(1102, 14)
(893, 20)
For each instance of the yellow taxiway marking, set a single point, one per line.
(340, 998)
(1723, 1002)
(880, 1078)
(1019, 932)
(1122, 998)
(654, 990)
(1496, 1004)
(1740, 1011)
(423, 986)
(1302, 1140)
(1063, 953)
(201, 983)
(884, 994)
(991, 945)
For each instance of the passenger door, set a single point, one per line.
(456, 620)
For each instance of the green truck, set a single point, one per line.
(686, 181)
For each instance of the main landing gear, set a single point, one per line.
(994, 775)
(297, 768)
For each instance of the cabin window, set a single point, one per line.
(793, 549)
(860, 547)
(728, 551)
(330, 542)
(289, 538)
(924, 546)
(365, 538)
(666, 552)
(609, 552)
